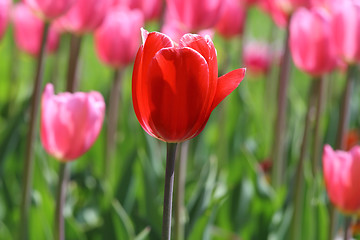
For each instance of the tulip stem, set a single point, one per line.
(72, 80)
(299, 180)
(115, 96)
(280, 124)
(31, 138)
(347, 228)
(168, 192)
(321, 101)
(60, 201)
(180, 178)
(345, 107)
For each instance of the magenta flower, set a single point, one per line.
(85, 16)
(50, 9)
(341, 174)
(150, 8)
(70, 123)
(28, 30)
(117, 39)
(310, 41)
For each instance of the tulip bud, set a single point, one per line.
(257, 57)
(50, 9)
(118, 38)
(346, 31)
(341, 174)
(175, 86)
(232, 20)
(4, 15)
(85, 16)
(311, 45)
(28, 30)
(70, 123)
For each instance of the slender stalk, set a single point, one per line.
(113, 113)
(345, 107)
(168, 193)
(332, 217)
(31, 138)
(75, 45)
(299, 177)
(321, 102)
(280, 124)
(347, 228)
(60, 201)
(180, 178)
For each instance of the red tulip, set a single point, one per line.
(248, 3)
(257, 57)
(346, 31)
(70, 123)
(195, 15)
(150, 8)
(311, 44)
(28, 30)
(176, 86)
(232, 20)
(4, 15)
(50, 9)
(118, 38)
(341, 174)
(278, 15)
(289, 6)
(85, 16)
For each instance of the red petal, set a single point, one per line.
(178, 84)
(206, 48)
(226, 84)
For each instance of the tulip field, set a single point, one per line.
(179, 119)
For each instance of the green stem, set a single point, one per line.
(31, 138)
(115, 96)
(280, 124)
(72, 80)
(60, 201)
(168, 192)
(180, 179)
(347, 228)
(321, 102)
(345, 107)
(299, 177)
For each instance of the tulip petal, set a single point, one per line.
(178, 84)
(226, 84)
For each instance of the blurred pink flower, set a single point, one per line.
(70, 123)
(150, 8)
(311, 45)
(278, 15)
(195, 15)
(4, 15)
(28, 30)
(346, 31)
(50, 9)
(85, 16)
(248, 3)
(289, 6)
(341, 175)
(257, 57)
(232, 19)
(117, 39)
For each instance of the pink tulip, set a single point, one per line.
(248, 3)
(28, 30)
(85, 15)
(310, 41)
(232, 20)
(150, 8)
(346, 31)
(4, 15)
(70, 123)
(341, 174)
(257, 57)
(175, 29)
(117, 39)
(289, 6)
(278, 15)
(195, 15)
(50, 9)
